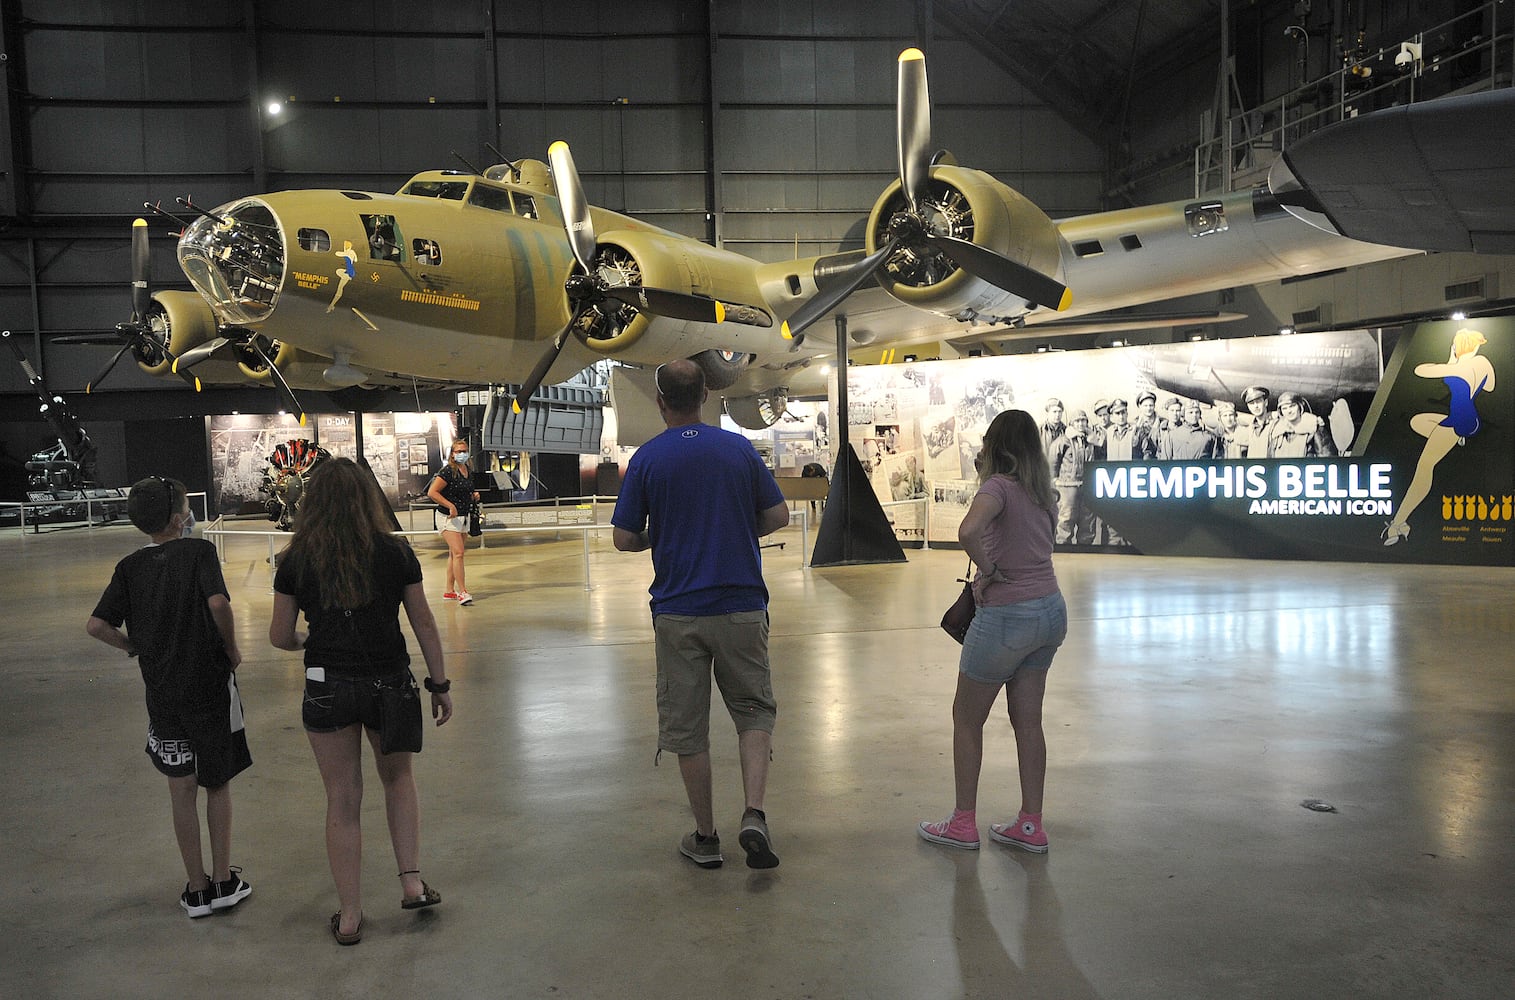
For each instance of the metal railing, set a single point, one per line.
(1251, 140)
(88, 520)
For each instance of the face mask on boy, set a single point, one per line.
(189, 525)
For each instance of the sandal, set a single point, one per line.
(428, 896)
(336, 929)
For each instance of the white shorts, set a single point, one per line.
(458, 524)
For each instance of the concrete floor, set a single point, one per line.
(1196, 704)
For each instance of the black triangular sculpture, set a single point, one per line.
(853, 527)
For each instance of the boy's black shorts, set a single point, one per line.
(208, 741)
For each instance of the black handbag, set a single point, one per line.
(959, 616)
(475, 522)
(400, 725)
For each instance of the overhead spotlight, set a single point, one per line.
(910, 357)
(1043, 348)
(1196, 336)
(1117, 343)
(1459, 316)
(274, 107)
(1284, 331)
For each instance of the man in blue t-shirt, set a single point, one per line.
(700, 498)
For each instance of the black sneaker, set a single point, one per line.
(196, 902)
(756, 842)
(225, 895)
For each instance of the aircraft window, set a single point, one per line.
(426, 252)
(446, 190)
(526, 206)
(1131, 242)
(383, 237)
(1088, 248)
(491, 198)
(314, 240)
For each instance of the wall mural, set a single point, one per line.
(1313, 446)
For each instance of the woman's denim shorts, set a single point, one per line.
(1003, 638)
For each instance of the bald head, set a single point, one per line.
(681, 386)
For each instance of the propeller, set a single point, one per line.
(912, 229)
(587, 289)
(136, 331)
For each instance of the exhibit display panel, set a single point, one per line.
(1349, 445)
(404, 450)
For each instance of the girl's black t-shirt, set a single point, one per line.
(457, 488)
(364, 641)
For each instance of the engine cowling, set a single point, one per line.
(970, 205)
(661, 260)
(182, 320)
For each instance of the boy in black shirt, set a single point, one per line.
(173, 601)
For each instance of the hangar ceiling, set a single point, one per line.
(766, 127)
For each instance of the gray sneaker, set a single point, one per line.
(703, 851)
(756, 842)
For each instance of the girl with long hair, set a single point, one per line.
(349, 574)
(452, 491)
(1020, 623)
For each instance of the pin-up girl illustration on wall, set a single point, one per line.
(1466, 374)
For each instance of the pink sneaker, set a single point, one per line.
(959, 830)
(1025, 833)
(449, 596)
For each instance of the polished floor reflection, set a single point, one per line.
(1196, 704)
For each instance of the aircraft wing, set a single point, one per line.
(1434, 175)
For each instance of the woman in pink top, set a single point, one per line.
(1020, 623)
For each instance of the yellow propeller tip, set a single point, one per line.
(139, 222)
(174, 367)
(198, 386)
(558, 145)
(1066, 300)
(720, 313)
(302, 420)
(784, 329)
(911, 55)
(515, 406)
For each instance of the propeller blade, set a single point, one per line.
(913, 121)
(830, 297)
(197, 354)
(114, 339)
(565, 178)
(662, 302)
(290, 402)
(523, 395)
(141, 270)
(1002, 272)
(90, 385)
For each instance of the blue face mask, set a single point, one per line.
(461, 457)
(189, 525)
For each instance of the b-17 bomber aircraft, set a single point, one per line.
(510, 277)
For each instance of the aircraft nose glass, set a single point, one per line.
(236, 260)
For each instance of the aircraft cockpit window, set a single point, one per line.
(383, 237)
(314, 240)
(526, 206)
(446, 190)
(426, 252)
(491, 198)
